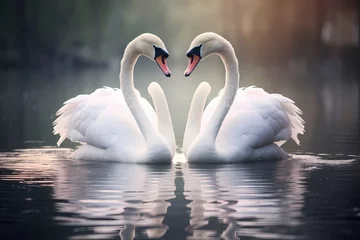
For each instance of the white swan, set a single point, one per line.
(246, 124)
(118, 124)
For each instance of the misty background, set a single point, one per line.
(307, 50)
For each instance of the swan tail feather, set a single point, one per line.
(293, 112)
(62, 123)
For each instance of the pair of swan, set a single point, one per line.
(245, 124)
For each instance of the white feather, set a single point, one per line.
(262, 117)
(100, 117)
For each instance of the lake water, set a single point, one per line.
(45, 196)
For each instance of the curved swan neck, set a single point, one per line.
(232, 75)
(165, 125)
(131, 56)
(193, 123)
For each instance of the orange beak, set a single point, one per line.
(193, 62)
(161, 61)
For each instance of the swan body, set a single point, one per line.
(118, 124)
(246, 124)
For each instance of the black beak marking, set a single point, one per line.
(195, 51)
(159, 52)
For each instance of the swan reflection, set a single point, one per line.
(243, 199)
(113, 200)
(113, 196)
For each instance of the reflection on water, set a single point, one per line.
(123, 198)
(114, 195)
(65, 199)
(245, 198)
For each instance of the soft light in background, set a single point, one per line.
(307, 50)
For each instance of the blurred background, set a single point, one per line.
(307, 50)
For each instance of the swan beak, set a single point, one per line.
(193, 62)
(161, 61)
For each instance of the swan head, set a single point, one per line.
(202, 46)
(154, 48)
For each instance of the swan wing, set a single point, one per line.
(101, 118)
(256, 119)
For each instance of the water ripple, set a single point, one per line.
(127, 201)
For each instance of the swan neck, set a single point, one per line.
(229, 92)
(127, 68)
(130, 94)
(205, 143)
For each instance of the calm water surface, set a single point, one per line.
(45, 196)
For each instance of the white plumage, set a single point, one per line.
(103, 120)
(256, 118)
(99, 117)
